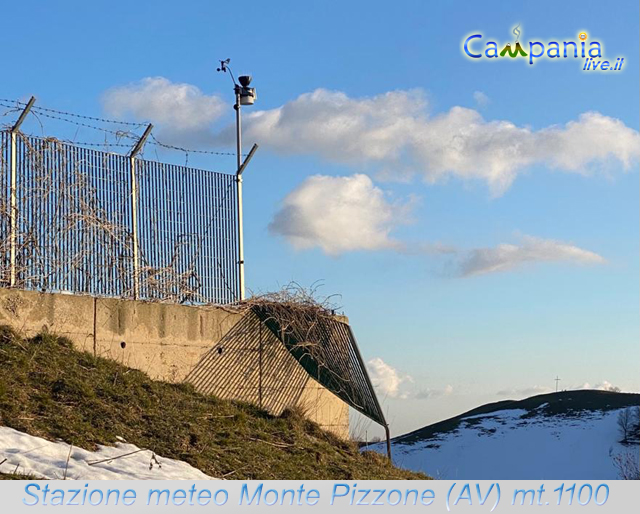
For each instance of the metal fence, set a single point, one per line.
(4, 205)
(88, 221)
(327, 349)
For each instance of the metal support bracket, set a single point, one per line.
(247, 159)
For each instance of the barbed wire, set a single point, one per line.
(74, 115)
(103, 144)
(107, 144)
(187, 150)
(11, 108)
(38, 111)
(117, 133)
(55, 114)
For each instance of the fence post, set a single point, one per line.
(363, 367)
(134, 210)
(13, 233)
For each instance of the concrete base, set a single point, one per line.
(227, 354)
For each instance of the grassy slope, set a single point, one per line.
(50, 390)
(16, 476)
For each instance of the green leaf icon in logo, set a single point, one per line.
(513, 53)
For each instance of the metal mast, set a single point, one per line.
(244, 95)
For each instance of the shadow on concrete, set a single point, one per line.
(250, 364)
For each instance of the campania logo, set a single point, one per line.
(476, 46)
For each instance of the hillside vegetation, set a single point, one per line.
(49, 389)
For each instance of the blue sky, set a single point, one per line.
(444, 331)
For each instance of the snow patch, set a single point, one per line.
(29, 455)
(503, 414)
(505, 445)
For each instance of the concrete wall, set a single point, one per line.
(224, 353)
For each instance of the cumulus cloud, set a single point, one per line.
(181, 111)
(605, 385)
(394, 132)
(339, 214)
(505, 257)
(339, 128)
(524, 392)
(387, 380)
(427, 394)
(390, 383)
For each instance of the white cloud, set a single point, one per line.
(525, 392)
(394, 133)
(181, 111)
(386, 379)
(389, 383)
(505, 257)
(426, 394)
(480, 98)
(339, 128)
(339, 214)
(605, 385)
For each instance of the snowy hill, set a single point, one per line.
(567, 435)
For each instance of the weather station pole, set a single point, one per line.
(244, 95)
(239, 194)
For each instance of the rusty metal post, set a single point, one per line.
(388, 434)
(371, 388)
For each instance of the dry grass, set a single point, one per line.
(49, 389)
(292, 305)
